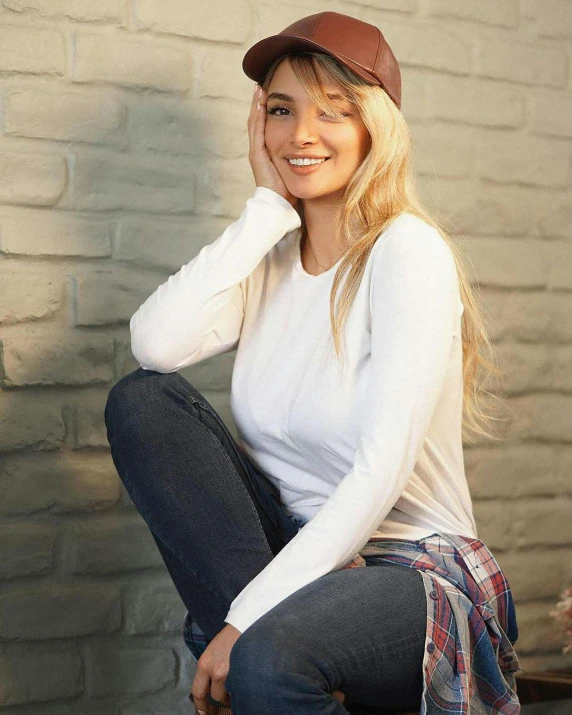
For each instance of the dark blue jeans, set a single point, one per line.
(218, 521)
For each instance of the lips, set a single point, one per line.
(304, 169)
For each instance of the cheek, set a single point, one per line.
(357, 147)
(348, 144)
(349, 153)
(271, 139)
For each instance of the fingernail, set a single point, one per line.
(200, 712)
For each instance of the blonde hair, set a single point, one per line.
(382, 188)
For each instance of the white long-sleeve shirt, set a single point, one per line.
(370, 449)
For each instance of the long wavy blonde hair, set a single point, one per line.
(382, 188)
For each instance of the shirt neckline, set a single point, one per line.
(298, 260)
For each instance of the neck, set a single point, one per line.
(317, 242)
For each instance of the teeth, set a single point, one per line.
(305, 162)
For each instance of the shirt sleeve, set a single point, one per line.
(414, 302)
(198, 312)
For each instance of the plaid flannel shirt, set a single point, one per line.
(469, 662)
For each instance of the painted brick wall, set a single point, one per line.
(123, 150)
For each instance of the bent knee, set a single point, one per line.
(137, 388)
(125, 390)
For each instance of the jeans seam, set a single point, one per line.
(242, 485)
(198, 406)
(188, 398)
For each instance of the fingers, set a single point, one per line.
(199, 703)
(339, 695)
(253, 118)
(256, 119)
(202, 688)
(252, 115)
(260, 118)
(199, 690)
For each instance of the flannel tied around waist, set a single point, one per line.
(469, 661)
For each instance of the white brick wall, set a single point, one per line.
(123, 150)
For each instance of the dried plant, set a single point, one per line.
(562, 614)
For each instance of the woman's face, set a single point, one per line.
(297, 126)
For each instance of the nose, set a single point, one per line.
(304, 130)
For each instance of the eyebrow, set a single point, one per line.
(288, 98)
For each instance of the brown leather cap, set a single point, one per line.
(357, 44)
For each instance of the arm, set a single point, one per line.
(198, 312)
(414, 300)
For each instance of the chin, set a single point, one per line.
(311, 193)
(305, 194)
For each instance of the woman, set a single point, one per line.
(346, 457)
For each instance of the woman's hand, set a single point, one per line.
(212, 669)
(263, 168)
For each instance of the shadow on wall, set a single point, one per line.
(89, 619)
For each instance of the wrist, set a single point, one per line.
(234, 629)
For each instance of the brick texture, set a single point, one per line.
(123, 151)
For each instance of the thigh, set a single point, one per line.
(207, 441)
(269, 496)
(263, 493)
(361, 631)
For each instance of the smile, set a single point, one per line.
(305, 168)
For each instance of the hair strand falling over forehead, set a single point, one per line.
(381, 189)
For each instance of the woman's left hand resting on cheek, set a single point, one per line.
(213, 667)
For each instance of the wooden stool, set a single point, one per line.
(544, 686)
(218, 710)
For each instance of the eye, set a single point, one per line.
(273, 110)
